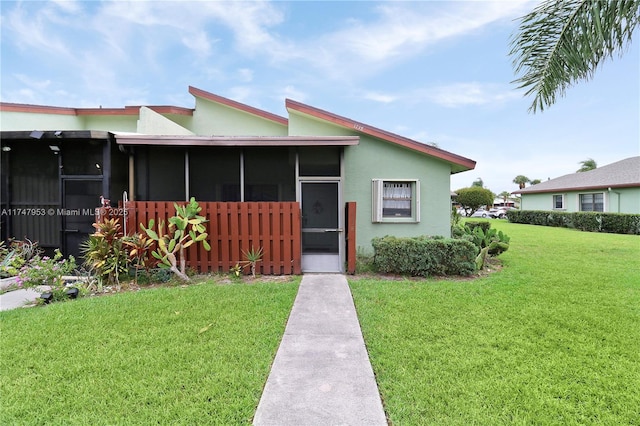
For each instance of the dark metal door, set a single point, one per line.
(321, 226)
(80, 199)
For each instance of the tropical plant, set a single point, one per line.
(46, 271)
(489, 241)
(586, 165)
(456, 217)
(521, 180)
(140, 247)
(478, 182)
(252, 257)
(105, 254)
(236, 270)
(562, 42)
(535, 181)
(9, 262)
(185, 229)
(471, 199)
(17, 254)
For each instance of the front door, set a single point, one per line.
(321, 226)
(80, 199)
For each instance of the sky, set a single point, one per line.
(434, 71)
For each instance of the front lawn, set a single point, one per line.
(183, 355)
(553, 338)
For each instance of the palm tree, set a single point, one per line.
(588, 164)
(564, 41)
(521, 180)
(505, 196)
(535, 181)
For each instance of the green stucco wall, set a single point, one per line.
(377, 159)
(22, 121)
(25, 121)
(214, 119)
(618, 200)
(113, 123)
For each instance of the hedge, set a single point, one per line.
(484, 225)
(615, 223)
(424, 256)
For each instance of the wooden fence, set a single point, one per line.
(232, 228)
(350, 236)
(237, 227)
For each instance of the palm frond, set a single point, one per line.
(564, 41)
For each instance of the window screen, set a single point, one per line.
(396, 200)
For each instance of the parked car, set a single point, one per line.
(499, 212)
(480, 213)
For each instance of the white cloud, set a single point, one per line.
(290, 92)
(379, 97)
(33, 83)
(245, 75)
(198, 42)
(474, 93)
(241, 94)
(69, 6)
(31, 31)
(133, 37)
(401, 30)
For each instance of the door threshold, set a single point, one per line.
(325, 262)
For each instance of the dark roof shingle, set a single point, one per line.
(621, 174)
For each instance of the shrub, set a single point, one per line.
(17, 254)
(484, 225)
(105, 254)
(424, 256)
(364, 261)
(617, 223)
(46, 271)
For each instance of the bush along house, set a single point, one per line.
(309, 190)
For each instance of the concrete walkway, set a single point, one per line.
(321, 374)
(18, 298)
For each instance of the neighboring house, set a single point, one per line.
(510, 202)
(614, 188)
(63, 159)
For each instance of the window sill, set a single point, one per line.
(398, 220)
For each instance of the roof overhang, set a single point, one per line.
(457, 162)
(235, 141)
(53, 134)
(127, 110)
(577, 188)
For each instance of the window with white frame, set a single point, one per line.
(592, 202)
(396, 200)
(558, 202)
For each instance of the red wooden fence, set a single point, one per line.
(234, 228)
(350, 237)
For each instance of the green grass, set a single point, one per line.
(194, 355)
(553, 338)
